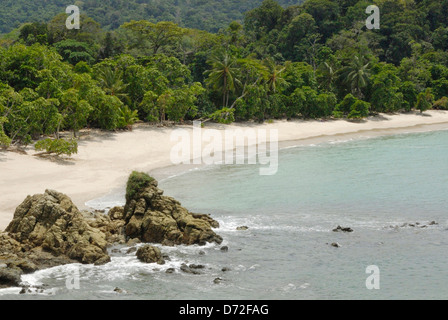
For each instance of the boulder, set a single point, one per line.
(150, 254)
(152, 217)
(52, 222)
(116, 213)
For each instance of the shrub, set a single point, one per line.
(352, 107)
(359, 110)
(137, 181)
(57, 146)
(127, 117)
(441, 104)
(4, 139)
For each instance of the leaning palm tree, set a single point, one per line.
(357, 75)
(111, 82)
(223, 75)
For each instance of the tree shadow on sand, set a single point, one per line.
(422, 114)
(65, 161)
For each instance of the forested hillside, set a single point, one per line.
(209, 15)
(315, 60)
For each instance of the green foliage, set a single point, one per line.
(57, 146)
(5, 141)
(265, 60)
(359, 110)
(386, 95)
(75, 51)
(137, 182)
(441, 104)
(224, 115)
(424, 100)
(82, 67)
(209, 15)
(352, 108)
(127, 117)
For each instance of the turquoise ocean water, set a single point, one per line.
(379, 187)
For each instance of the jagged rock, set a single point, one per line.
(150, 254)
(51, 221)
(152, 217)
(339, 228)
(213, 223)
(111, 227)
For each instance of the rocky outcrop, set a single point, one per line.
(152, 217)
(49, 230)
(52, 222)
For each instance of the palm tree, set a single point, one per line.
(111, 82)
(328, 76)
(275, 78)
(223, 75)
(357, 75)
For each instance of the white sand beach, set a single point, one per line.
(105, 160)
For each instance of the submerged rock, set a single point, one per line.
(341, 229)
(414, 225)
(242, 228)
(188, 269)
(336, 245)
(152, 217)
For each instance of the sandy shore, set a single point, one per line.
(105, 160)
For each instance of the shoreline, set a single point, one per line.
(105, 159)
